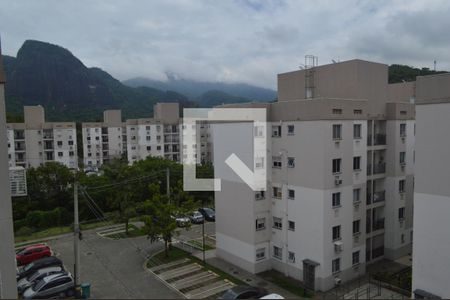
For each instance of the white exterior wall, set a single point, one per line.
(92, 149)
(69, 152)
(11, 151)
(431, 263)
(115, 142)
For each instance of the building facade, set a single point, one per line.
(35, 142)
(340, 172)
(103, 141)
(431, 264)
(8, 282)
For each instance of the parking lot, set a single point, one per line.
(115, 268)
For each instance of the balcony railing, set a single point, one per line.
(378, 224)
(379, 196)
(19, 136)
(379, 139)
(376, 168)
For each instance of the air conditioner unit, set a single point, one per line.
(337, 281)
(338, 181)
(338, 246)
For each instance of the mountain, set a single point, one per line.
(195, 89)
(52, 76)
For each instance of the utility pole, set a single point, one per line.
(203, 235)
(76, 236)
(168, 183)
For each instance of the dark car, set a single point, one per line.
(208, 213)
(244, 292)
(45, 262)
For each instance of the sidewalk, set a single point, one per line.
(249, 278)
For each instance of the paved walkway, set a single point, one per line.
(247, 277)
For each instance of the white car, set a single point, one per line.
(57, 285)
(272, 296)
(26, 282)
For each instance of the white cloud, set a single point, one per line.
(236, 41)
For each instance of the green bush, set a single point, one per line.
(24, 231)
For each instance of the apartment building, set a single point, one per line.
(8, 283)
(35, 142)
(103, 141)
(431, 264)
(340, 176)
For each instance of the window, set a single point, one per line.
(336, 265)
(259, 131)
(71, 153)
(402, 130)
(291, 225)
(97, 138)
(401, 213)
(158, 148)
(336, 233)
(402, 158)
(291, 257)
(60, 143)
(291, 162)
(149, 148)
(276, 161)
(276, 131)
(336, 199)
(147, 128)
(260, 224)
(277, 223)
(357, 163)
(337, 132)
(357, 111)
(291, 194)
(337, 111)
(260, 195)
(356, 227)
(148, 138)
(60, 154)
(259, 162)
(356, 195)
(70, 143)
(276, 192)
(356, 131)
(355, 258)
(260, 253)
(290, 129)
(402, 238)
(336, 165)
(401, 186)
(277, 252)
(403, 112)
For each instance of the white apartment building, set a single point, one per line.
(8, 283)
(35, 142)
(103, 141)
(340, 176)
(431, 263)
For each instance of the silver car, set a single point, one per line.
(59, 285)
(26, 282)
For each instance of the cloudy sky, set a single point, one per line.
(231, 40)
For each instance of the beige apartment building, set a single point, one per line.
(35, 142)
(431, 263)
(103, 141)
(340, 176)
(8, 283)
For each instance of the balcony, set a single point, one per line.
(379, 139)
(19, 135)
(376, 197)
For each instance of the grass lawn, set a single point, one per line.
(133, 231)
(44, 234)
(287, 283)
(198, 244)
(177, 254)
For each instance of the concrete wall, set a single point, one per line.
(8, 283)
(431, 266)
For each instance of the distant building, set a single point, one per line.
(431, 263)
(35, 142)
(103, 141)
(340, 176)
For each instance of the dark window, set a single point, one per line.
(356, 226)
(337, 131)
(357, 163)
(336, 199)
(336, 233)
(337, 165)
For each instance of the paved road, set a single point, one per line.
(195, 231)
(114, 267)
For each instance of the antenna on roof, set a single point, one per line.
(434, 64)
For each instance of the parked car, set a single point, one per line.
(197, 217)
(244, 292)
(45, 262)
(31, 253)
(272, 296)
(26, 282)
(208, 213)
(59, 285)
(182, 221)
